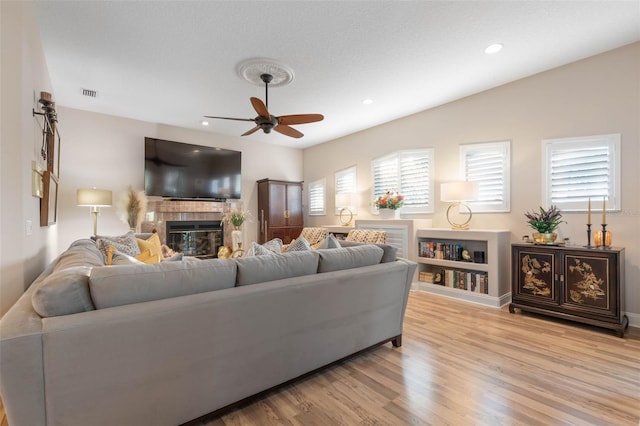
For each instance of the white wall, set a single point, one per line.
(24, 75)
(108, 152)
(598, 95)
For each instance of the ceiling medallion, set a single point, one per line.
(251, 70)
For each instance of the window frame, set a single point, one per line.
(337, 176)
(322, 182)
(613, 192)
(429, 153)
(489, 207)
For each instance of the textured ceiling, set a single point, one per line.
(173, 62)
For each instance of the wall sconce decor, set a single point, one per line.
(457, 193)
(94, 198)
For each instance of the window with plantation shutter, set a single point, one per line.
(409, 173)
(489, 165)
(346, 184)
(317, 203)
(576, 169)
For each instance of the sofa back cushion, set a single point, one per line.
(349, 257)
(256, 269)
(126, 284)
(66, 290)
(390, 252)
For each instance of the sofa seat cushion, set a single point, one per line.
(349, 257)
(256, 269)
(126, 284)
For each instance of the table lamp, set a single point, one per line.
(457, 193)
(346, 202)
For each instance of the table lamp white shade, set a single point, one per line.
(458, 191)
(94, 198)
(346, 202)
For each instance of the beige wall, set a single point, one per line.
(598, 95)
(108, 152)
(24, 75)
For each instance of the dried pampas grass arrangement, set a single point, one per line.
(133, 207)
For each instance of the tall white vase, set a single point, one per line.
(236, 238)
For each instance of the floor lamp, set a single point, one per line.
(94, 198)
(457, 193)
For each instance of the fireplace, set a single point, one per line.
(200, 238)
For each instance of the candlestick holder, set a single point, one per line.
(588, 236)
(604, 235)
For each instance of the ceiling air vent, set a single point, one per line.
(90, 93)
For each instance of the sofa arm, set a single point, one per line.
(21, 364)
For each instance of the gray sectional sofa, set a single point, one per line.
(163, 344)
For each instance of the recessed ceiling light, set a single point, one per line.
(205, 123)
(494, 48)
(367, 101)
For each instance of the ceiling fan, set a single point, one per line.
(268, 122)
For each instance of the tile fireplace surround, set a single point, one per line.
(160, 211)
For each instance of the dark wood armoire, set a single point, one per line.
(279, 210)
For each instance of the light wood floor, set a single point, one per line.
(464, 364)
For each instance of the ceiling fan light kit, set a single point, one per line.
(265, 121)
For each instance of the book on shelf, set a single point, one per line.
(474, 281)
(440, 250)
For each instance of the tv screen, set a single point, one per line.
(181, 170)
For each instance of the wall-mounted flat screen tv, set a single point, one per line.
(185, 171)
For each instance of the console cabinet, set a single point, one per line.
(574, 283)
(279, 210)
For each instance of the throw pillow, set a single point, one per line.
(256, 249)
(175, 258)
(126, 244)
(274, 245)
(330, 242)
(299, 244)
(152, 243)
(148, 257)
(119, 258)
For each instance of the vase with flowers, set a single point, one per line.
(545, 222)
(236, 218)
(389, 203)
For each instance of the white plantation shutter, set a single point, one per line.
(409, 173)
(317, 204)
(576, 169)
(346, 183)
(488, 165)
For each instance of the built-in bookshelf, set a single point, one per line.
(472, 265)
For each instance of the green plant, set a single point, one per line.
(545, 221)
(389, 200)
(236, 217)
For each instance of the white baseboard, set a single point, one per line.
(464, 295)
(486, 300)
(634, 319)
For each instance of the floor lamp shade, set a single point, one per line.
(94, 198)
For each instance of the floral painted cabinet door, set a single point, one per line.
(575, 283)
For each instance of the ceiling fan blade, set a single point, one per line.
(300, 118)
(248, 132)
(258, 105)
(231, 118)
(288, 131)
